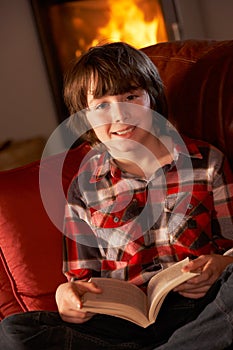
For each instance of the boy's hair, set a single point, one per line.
(115, 68)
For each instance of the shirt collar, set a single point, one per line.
(102, 167)
(187, 147)
(105, 163)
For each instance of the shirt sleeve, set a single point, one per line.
(81, 254)
(222, 225)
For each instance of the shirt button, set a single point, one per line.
(190, 206)
(116, 219)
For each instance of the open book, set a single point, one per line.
(125, 300)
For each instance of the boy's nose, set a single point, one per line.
(120, 112)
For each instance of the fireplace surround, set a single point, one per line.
(68, 28)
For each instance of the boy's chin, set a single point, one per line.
(121, 146)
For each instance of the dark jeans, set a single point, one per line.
(213, 328)
(46, 331)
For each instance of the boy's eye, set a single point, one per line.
(131, 97)
(102, 106)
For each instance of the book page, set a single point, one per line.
(162, 283)
(118, 298)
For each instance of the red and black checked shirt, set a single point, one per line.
(121, 226)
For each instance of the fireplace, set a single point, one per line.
(68, 28)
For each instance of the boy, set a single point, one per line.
(142, 199)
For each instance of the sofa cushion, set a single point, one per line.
(8, 302)
(31, 244)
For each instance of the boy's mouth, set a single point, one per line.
(125, 131)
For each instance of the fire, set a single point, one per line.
(129, 22)
(77, 25)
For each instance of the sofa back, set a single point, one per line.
(198, 78)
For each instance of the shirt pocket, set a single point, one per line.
(189, 218)
(111, 217)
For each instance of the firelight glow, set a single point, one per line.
(129, 21)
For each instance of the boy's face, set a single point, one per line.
(120, 119)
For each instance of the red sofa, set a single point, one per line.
(198, 78)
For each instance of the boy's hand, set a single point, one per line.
(210, 268)
(69, 300)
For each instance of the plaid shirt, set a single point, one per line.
(126, 227)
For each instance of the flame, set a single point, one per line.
(78, 25)
(127, 23)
